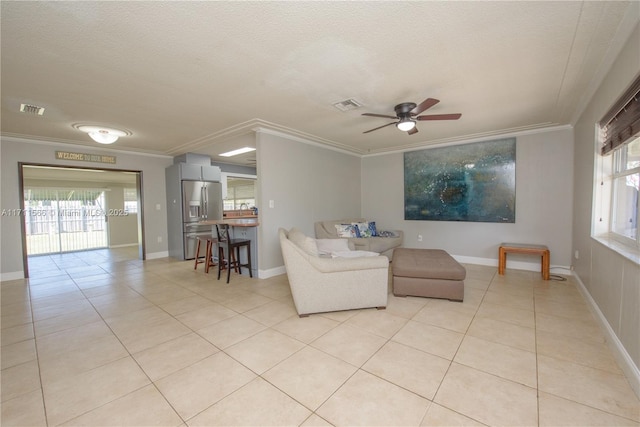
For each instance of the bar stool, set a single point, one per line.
(208, 257)
(233, 251)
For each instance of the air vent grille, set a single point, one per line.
(347, 104)
(31, 109)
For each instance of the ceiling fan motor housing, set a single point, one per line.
(404, 110)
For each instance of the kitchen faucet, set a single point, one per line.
(246, 206)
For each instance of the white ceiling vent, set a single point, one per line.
(347, 104)
(31, 109)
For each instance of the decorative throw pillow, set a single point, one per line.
(372, 228)
(330, 246)
(362, 229)
(387, 234)
(346, 230)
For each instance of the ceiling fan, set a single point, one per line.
(407, 115)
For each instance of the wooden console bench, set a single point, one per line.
(517, 248)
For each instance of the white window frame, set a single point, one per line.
(229, 202)
(130, 205)
(620, 170)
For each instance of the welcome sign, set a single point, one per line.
(85, 157)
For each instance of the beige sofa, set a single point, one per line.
(381, 245)
(323, 284)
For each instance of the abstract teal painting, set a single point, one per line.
(471, 182)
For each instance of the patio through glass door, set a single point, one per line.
(64, 220)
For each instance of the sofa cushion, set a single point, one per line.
(329, 246)
(378, 244)
(353, 254)
(306, 243)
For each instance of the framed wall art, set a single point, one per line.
(470, 182)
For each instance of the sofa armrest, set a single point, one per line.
(331, 265)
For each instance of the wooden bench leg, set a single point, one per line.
(502, 260)
(546, 255)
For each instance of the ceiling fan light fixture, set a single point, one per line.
(406, 124)
(102, 135)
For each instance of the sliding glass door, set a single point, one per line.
(64, 220)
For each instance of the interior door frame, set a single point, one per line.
(23, 232)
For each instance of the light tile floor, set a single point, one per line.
(100, 339)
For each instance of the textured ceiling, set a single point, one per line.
(201, 76)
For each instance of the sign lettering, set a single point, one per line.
(85, 157)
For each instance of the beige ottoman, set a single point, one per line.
(431, 273)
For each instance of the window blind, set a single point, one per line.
(622, 121)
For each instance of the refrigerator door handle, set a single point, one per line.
(206, 201)
(202, 211)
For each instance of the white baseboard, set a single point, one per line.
(156, 255)
(14, 275)
(516, 265)
(277, 271)
(622, 356)
(126, 245)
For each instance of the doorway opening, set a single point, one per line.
(69, 211)
(59, 220)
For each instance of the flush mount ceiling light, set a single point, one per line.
(236, 152)
(101, 134)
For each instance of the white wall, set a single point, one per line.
(307, 183)
(123, 229)
(612, 282)
(544, 175)
(13, 151)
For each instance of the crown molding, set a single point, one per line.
(467, 139)
(350, 151)
(263, 126)
(66, 144)
(252, 126)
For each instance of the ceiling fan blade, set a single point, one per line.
(380, 127)
(412, 131)
(427, 103)
(440, 117)
(379, 115)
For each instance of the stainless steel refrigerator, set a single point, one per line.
(194, 194)
(201, 201)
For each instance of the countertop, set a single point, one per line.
(234, 222)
